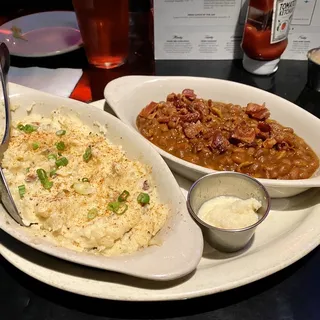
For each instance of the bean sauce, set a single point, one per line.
(227, 137)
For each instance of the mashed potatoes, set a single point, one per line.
(78, 189)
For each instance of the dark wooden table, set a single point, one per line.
(291, 294)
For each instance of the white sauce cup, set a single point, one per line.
(227, 184)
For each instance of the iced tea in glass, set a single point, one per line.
(104, 28)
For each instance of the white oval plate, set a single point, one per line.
(173, 259)
(46, 33)
(291, 230)
(128, 95)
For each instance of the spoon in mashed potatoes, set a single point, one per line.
(6, 196)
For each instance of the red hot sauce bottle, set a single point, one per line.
(265, 35)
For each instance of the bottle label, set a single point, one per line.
(282, 15)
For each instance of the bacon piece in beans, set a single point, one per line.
(244, 133)
(189, 93)
(150, 108)
(220, 142)
(257, 111)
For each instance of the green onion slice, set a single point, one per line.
(112, 206)
(35, 145)
(28, 128)
(60, 145)
(52, 156)
(143, 198)
(124, 196)
(85, 180)
(42, 175)
(22, 190)
(62, 162)
(118, 207)
(60, 133)
(53, 172)
(92, 213)
(87, 154)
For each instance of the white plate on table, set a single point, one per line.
(172, 259)
(291, 230)
(128, 95)
(45, 34)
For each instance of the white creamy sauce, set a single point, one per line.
(227, 212)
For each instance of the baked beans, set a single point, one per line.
(224, 136)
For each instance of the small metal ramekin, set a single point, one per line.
(313, 71)
(227, 184)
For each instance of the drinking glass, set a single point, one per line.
(104, 28)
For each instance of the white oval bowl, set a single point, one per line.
(128, 95)
(182, 245)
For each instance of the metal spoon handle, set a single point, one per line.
(4, 68)
(6, 197)
(7, 200)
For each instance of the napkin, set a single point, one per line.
(59, 81)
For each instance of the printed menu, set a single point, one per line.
(212, 29)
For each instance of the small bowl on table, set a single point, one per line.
(231, 184)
